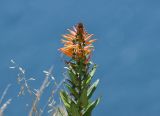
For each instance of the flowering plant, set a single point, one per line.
(78, 47)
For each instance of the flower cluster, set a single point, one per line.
(78, 43)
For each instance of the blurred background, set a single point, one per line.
(127, 50)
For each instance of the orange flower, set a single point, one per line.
(77, 42)
(88, 36)
(66, 43)
(90, 41)
(68, 50)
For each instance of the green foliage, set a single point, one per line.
(92, 88)
(80, 89)
(72, 90)
(90, 75)
(90, 107)
(66, 100)
(83, 98)
(74, 110)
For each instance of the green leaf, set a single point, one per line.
(92, 88)
(83, 98)
(72, 76)
(72, 90)
(91, 74)
(72, 84)
(90, 107)
(74, 110)
(65, 98)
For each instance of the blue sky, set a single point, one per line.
(127, 51)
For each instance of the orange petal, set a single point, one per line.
(72, 32)
(68, 37)
(88, 51)
(88, 37)
(90, 42)
(88, 47)
(69, 54)
(74, 28)
(66, 52)
(66, 42)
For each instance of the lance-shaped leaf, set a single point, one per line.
(72, 90)
(92, 88)
(74, 85)
(91, 74)
(83, 98)
(72, 76)
(74, 110)
(90, 107)
(66, 100)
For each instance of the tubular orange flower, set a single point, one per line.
(88, 36)
(66, 43)
(68, 50)
(90, 42)
(72, 32)
(68, 37)
(77, 43)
